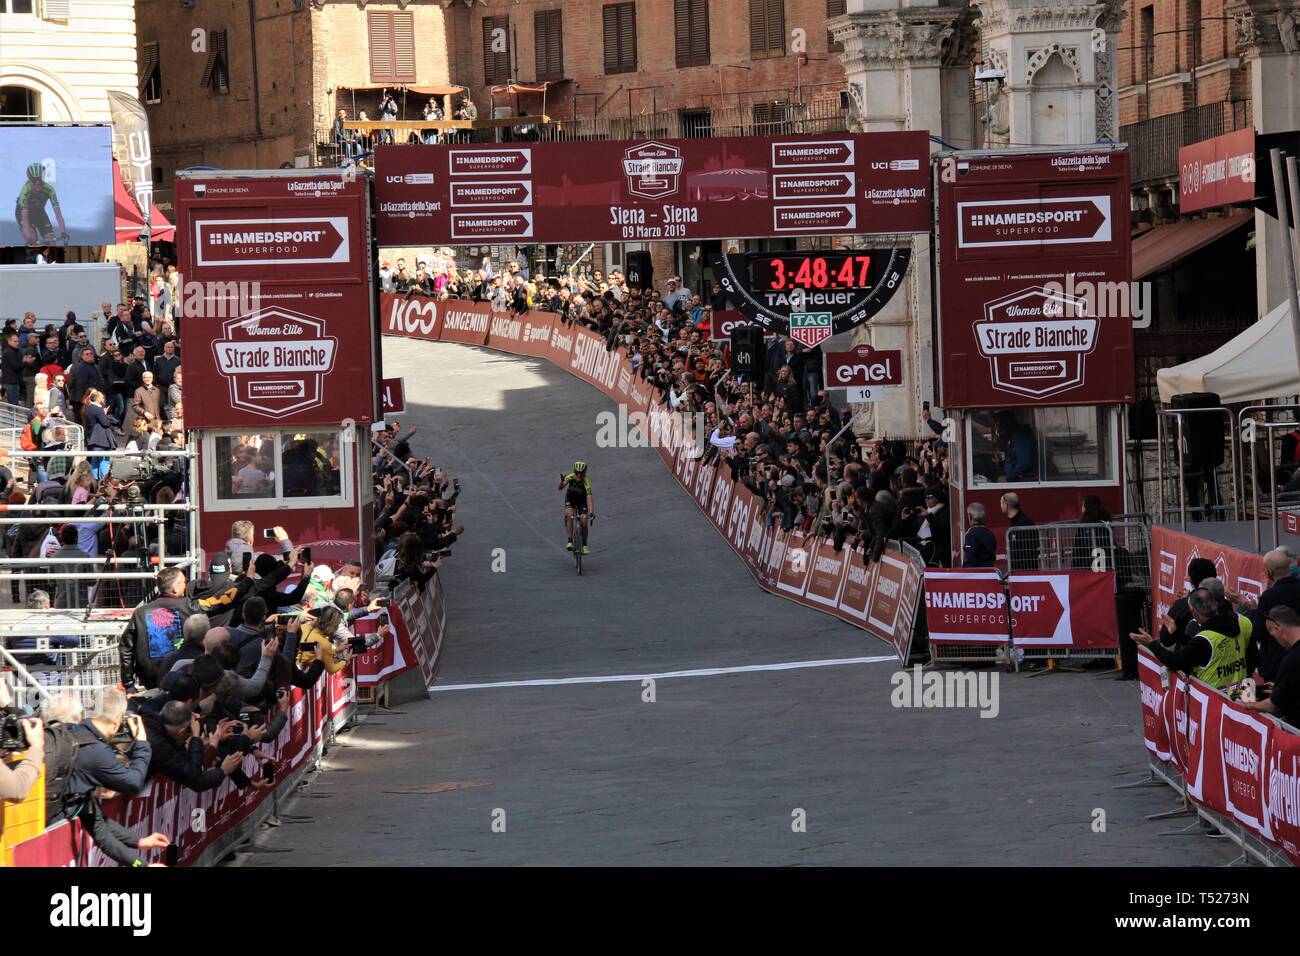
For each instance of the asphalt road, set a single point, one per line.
(719, 768)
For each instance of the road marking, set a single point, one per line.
(627, 678)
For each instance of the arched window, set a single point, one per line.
(18, 104)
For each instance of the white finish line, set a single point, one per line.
(627, 678)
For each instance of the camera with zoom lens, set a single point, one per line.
(12, 735)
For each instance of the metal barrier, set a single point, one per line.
(1247, 434)
(58, 463)
(1181, 446)
(1121, 546)
(86, 669)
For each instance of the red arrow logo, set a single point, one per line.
(1036, 611)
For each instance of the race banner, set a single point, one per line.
(279, 317)
(1035, 298)
(1172, 550)
(1049, 609)
(1236, 762)
(882, 598)
(646, 190)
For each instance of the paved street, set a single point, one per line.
(716, 768)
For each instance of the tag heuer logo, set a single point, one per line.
(810, 328)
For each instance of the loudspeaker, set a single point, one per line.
(640, 271)
(1205, 434)
(746, 350)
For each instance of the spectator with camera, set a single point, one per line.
(176, 736)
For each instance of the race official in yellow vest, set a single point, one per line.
(1216, 652)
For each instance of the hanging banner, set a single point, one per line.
(646, 190)
(1035, 298)
(282, 329)
(133, 150)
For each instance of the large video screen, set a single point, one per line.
(56, 185)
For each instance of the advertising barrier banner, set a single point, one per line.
(1238, 763)
(1049, 609)
(881, 599)
(1035, 295)
(646, 190)
(1171, 551)
(282, 329)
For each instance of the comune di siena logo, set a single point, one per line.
(76, 909)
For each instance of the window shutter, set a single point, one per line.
(627, 35)
(776, 26)
(403, 47)
(610, 24)
(496, 66)
(216, 52)
(148, 63)
(834, 8)
(548, 33)
(691, 20)
(382, 64)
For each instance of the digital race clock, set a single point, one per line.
(836, 290)
(777, 273)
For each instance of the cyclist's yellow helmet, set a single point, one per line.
(579, 467)
(36, 171)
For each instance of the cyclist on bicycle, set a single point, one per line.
(578, 502)
(29, 209)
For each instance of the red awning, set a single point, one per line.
(129, 219)
(539, 87)
(1166, 245)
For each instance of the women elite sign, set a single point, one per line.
(1035, 298)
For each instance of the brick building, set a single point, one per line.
(1183, 79)
(235, 84)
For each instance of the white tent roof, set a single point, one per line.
(1258, 363)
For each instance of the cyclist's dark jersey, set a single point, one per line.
(576, 491)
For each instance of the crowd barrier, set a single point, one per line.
(1240, 769)
(419, 620)
(207, 826)
(1171, 550)
(881, 600)
(1053, 614)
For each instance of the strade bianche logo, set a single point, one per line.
(1036, 341)
(275, 361)
(653, 170)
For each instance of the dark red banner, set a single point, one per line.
(285, 332)
(1035, 298)
(1049, 609)
(1217, 172)
(642, 190)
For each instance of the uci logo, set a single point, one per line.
(393, 179)
(884, 165)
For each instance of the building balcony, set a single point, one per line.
(1154, 143)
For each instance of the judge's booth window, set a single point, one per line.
(307, 468)
(1030, 446)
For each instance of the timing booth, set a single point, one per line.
(281, 362)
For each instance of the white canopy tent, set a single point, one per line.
(1259, 363)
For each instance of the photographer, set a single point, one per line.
(178, 742)
(17, 780)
